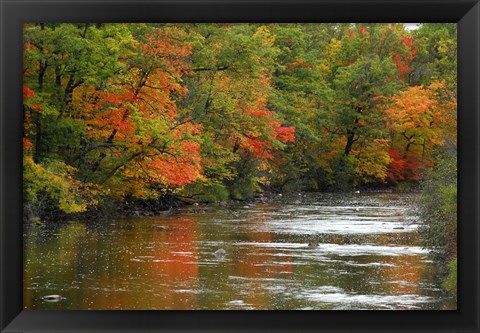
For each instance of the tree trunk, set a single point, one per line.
(350, 141)
(351, 135)
(38, 138)
(36, 116)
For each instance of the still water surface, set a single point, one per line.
(367, 257)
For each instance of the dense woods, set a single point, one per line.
(122, 113)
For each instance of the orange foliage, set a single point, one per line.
(420, 118)
(140, 116)
(300, 63)
(416, 113)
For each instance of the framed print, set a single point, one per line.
(169, 161)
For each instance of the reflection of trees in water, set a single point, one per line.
(133, 269)
(52, 257)
(176, 263)
(404, 276)
(257, 264)
(243, 275)
(169, 263)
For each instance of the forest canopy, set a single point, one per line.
(210, 112)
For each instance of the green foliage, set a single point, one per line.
(450, 283)
(246, 181)
(210, 112)
(215, 193)
(438, 208)
(343, 170)
(371, 165)
(219, 111)
(200, 191)
(436, 59)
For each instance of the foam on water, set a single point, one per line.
(338, 297)
(344, 249)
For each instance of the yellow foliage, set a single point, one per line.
(372, 163)
(264, 34)
(54, 181)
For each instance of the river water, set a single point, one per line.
(367, 257)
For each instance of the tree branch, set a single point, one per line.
(200, 69)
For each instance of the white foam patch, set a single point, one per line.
(372, 264)
(343, 249)
(236, 302)
(350, 225)
(387, 301)
(240, 303)
(187, 291)
(328, 289)
(340, 220)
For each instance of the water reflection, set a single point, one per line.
(367, 258)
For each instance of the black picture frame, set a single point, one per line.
(15, 13)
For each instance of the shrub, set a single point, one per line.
(438, 212)
(51, 186)
(450, 283)
(214, 193)
(438, 209)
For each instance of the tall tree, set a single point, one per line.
(370, 64)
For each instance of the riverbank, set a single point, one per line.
(171, 204)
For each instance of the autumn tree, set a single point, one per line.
(370, 64)
(228, 90)
(300, 92)
(143, 145)
(59, 59)
(217, 111)
(436, 58)
(418, 120)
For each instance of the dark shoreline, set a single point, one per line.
(170, 205)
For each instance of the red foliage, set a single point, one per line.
(142, 114)
(260, 146)
(408, 41)
(27, 144)
(404, 168)
(27, 92)
(285, 134)
(403, 62)
(403, 67)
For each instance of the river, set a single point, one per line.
(368, 257)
